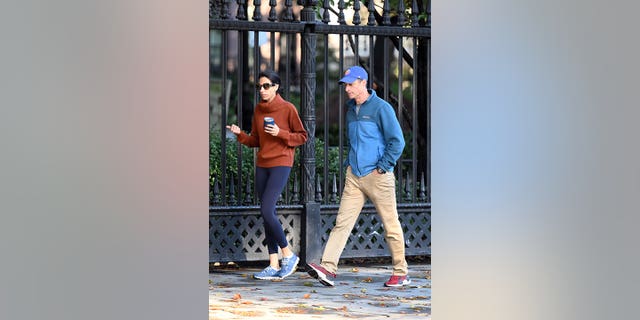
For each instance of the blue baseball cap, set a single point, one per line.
(352, 74)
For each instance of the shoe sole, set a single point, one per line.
(266, 278)
(295, 265)
(320, 276)
(398, 285)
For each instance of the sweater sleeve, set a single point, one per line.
(252, 139)
(298, 135)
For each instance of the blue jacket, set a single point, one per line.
(375, 136)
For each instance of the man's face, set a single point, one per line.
(356, 89)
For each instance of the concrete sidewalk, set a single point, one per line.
(359, 292)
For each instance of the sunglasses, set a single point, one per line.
(265, 86)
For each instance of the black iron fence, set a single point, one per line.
(310, 45)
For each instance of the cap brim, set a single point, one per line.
(347, 79)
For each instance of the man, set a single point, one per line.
(375, 144)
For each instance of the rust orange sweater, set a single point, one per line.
(275, 151)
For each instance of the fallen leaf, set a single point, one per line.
(352, 296)
(415, 298)
(263, 299)
(308, 284)
(354, 270)
(246, 313)
(236, 297)
(367, 280)
(295, 310)
(306, 296)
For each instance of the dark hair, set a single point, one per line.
(271, 75)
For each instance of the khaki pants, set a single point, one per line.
(381, 190)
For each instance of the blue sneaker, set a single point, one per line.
(268, 273)
(288, 266)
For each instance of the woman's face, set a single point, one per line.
(267, 94)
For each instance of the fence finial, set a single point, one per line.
(241, 14)
(257, 14)
(308, 13)
(386, 19)
(232, 191)
(334, 190)
(356, 12)
(295, 196)
(407, 188)
(224, 13)
(318, 190)
(414, 13)
(372, 18)
(272, 12)
(341, 12)
(216, 199)
(422, 195)
(248, 199)
(288, 12)
(401, 16)
(326, 18)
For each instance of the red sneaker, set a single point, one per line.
(320, 273)
(397, 281)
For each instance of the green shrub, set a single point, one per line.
(232, 145)
(247, 166)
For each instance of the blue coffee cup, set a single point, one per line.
(268, 121)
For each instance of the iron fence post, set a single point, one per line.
(311, 245)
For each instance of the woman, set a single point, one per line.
(276, 143)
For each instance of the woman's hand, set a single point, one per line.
(234, 129)
(272, 129)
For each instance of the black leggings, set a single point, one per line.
(269, 183)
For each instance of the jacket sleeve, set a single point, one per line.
(393, 138)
